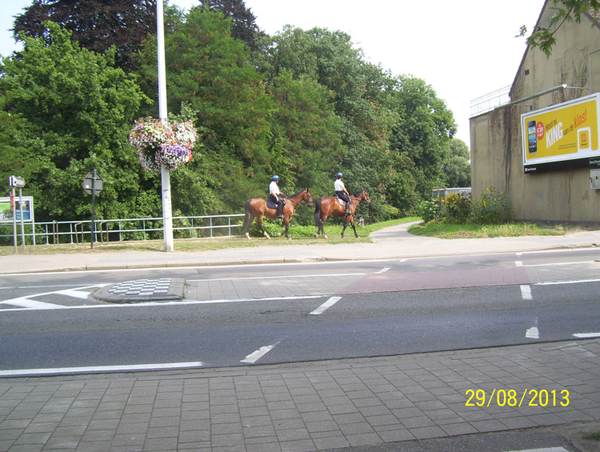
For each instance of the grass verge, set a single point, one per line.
(461, 231)
(208, 244)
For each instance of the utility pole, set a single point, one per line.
(165, 175)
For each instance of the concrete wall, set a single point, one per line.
(496, 142)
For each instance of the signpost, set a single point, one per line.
(92, 184)
(17, 182)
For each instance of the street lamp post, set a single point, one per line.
(165, 175)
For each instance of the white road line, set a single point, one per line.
(250, 278)
(151, 304)
(532, 333)
(579, 281)
(74, 293)
(383, 270)
(518, 264)
(552, 264)
(526, 292)
(29, 304)
(544, 449)
(255, 356)
(98, 369)
(329, 303)
(586, 335)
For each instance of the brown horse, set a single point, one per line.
(328, 205)
(257, 208)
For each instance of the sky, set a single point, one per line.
(464, 49)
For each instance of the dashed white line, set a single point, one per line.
(532, 333)
(383, 270)
(329, 303)
(526, 292)
(255, 356)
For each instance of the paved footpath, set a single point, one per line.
(542, 394)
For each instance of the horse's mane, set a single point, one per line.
(297, 193)
(358, 193)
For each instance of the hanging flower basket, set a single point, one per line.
(163, 142)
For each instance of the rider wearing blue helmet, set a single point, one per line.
(276, 196)
(341, 192)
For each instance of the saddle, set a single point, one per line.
(340, 200)
(271, 204)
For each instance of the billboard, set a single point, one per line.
(6, 214)
(563, 136)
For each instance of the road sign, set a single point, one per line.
(89, 181)
(16, 181)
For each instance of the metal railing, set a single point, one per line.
(490, 101)
(55, 232)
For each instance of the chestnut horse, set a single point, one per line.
(328, 205)
(257, 208)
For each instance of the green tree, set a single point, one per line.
(209, 71)
(95, 24)
(568, 11)
(330, 59)
(423, 131)
(243, 24)
(458, 166)
(76, 109)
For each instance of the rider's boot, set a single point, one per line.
(279, 210)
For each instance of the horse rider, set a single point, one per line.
(276, 196)
(341, 192)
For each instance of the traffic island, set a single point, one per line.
(142, 290)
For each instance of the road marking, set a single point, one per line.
(255, 356)
(383, 270)
(579, 281)
(544, 449)
(149, 304)
(97, 369)
(586, 335)
(526, 292)
(518, 264)
(532, 333)
(329, 303)
(276, 277)
(29, 304)
(552, 264)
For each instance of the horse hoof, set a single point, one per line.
(248, 236)
(325, 237)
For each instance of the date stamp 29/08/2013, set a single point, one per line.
(514, 398)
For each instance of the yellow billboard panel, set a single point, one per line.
(563, 132)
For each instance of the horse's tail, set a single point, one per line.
(318, 212)
(246, 227)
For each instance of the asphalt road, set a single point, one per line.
(239, 316)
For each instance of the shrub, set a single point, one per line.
(456, 208)
(428, 210)
(491, 208)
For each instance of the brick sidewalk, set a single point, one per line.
(305, 406)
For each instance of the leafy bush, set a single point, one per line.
(456, 208)
(428, 210)
(492, 208)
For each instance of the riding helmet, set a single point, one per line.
(339, 174)
(276, 177)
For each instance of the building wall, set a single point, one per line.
(496, 141)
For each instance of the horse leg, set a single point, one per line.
(323, 218)
(286, 224)
(353, 226)
(260, 225)
(249, 219)
(348, 220)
